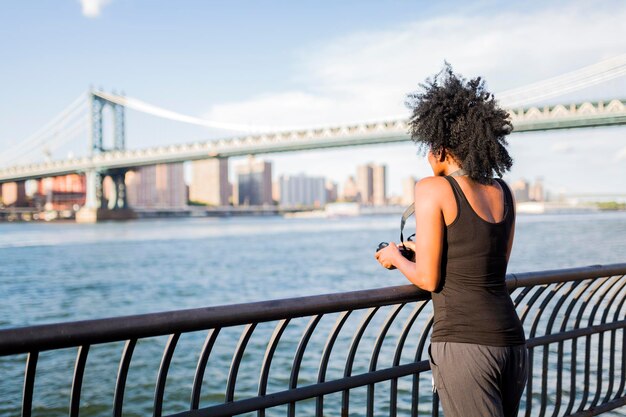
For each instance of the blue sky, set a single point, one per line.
(303, 63)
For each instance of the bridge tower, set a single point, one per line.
(96, 205)
(98, 104)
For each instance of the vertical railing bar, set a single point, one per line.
(77, 380)
(166, 359)
(382, 334)
(566, 318)
(405, 332)
(418, 356)
(376, 352)
(203, 359)
(559, 376)
(345, 395)
(586, 377)
(599, 366)
(597, 284)
(600, 361)
(539, 290)
(533, 331)
(237, 356)
(525, 310)
(544, 381)
(559, 379)
(623, 379)
(122, 373)
(529, 382)
(328, 347)
(267, 359)
(573, 367)
(435, 409)
(594, 309)
(29, 383)
(297, 360)
(623, 382)
(609, 389)
(408, 325)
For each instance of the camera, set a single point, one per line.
(406, 252)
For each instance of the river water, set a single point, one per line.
(65, 271)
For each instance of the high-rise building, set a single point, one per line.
(379, 179)
(276, 191)
(156, 186)
(209, 184)
(331, 191)
(372, 184)
(14, 193)
(350, 191)
(521, 190)
(254, 183)
(65, 191)
(301, 190)
(535, 192)
(408, 191)
(365, 183)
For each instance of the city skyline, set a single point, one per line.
(355, 69)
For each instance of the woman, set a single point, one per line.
(465, 222)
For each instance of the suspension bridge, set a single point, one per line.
(82, 121)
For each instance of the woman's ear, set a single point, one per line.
(442, 155)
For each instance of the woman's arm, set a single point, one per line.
(425, 271)
(512, 235)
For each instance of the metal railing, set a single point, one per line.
(355, 353)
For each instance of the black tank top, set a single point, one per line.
(472, 303)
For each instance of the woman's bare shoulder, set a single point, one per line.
(431, 188)
(431, 184)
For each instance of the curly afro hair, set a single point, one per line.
(462, 118)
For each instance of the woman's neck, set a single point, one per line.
(451, 168)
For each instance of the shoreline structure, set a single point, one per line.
(330, 210)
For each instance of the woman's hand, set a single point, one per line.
(387, 255)
(409, 244)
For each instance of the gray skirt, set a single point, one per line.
(478, 380)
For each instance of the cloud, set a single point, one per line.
(562, 147)
(93, 8)
(620, 155)
(366, 75)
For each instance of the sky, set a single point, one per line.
(286, 63)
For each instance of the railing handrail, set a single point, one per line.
(87, 332)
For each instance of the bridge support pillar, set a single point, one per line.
(93, 189)
(117, 197)
(96, 207)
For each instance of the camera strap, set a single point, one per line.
(407, 213)
(411, 209)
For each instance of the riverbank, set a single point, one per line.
(331, 210)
